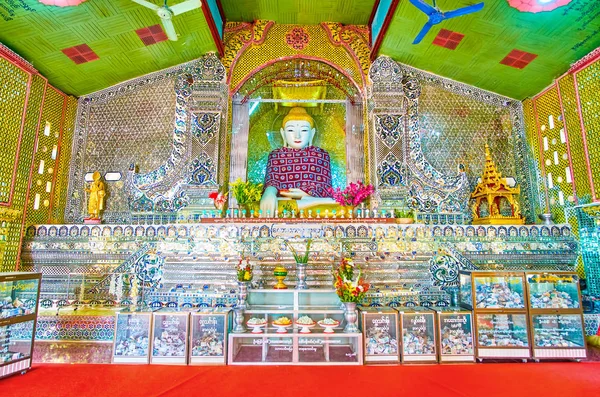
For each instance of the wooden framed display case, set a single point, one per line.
(455, 335)
(380, 334)
(499, 305)
(208, 336)
(419, 339)
(169, 337)
(556, 316)
(132, 337)
(19, 297)
(311, 343)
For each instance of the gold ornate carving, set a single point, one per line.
(9, 214)
(490, 193)
(355, 40)
(239, 36)
(248, 48)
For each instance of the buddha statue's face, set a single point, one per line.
(297, 134)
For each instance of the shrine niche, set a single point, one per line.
(494, 201)
(320, 68)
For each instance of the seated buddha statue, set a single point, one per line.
(298, 171)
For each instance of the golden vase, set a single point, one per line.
(280, 273)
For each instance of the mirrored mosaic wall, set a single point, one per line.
(35, 119)
(429, 135)
(148, 134)
(563, 131)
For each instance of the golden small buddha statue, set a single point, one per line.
(96, 199)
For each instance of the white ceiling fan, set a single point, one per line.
(166, 13)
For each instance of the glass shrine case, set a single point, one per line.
(19, 296)
(419, 339)
(455, 335)
(380, 334)
(556, 315)
(500, 309)
(294, 344)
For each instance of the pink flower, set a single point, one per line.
(353, 195)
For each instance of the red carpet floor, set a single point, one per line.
(542, 379)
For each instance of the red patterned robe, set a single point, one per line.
(308, 169)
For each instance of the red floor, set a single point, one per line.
(531, 379)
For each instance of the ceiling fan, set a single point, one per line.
(436, 16)
(166, 13)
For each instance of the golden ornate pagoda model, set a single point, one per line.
(490, 193)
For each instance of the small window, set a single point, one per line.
(48, 187)
(54, 151)
(41, 167)
(36, 201)
(112, 176)
(47, 128)
(551, 121)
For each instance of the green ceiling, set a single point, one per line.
(559, 37)
(108, 27)
(306, 12)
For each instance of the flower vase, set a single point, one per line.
(301, 275)
(351, 317)
(242, 293)
(280, 272)
(248, 208)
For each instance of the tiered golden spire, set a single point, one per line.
(490, 193)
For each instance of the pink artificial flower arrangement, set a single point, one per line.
(353, 195)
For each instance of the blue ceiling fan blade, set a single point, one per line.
(422, 33)
(463, 11)
(421, 5)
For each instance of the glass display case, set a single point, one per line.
(208, 336)
(380, 334)
(500, 309)
(556, 290)
(465, 294)
(502, 335)
(295, 348)
(294, 327)
(491, 290)
(169, 337)
(455, 335)
(19, 295)
(419, 343)
(556, 315)
(273, 304)
(132, 337)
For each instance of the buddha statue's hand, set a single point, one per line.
(294, 193)
(268, 202)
